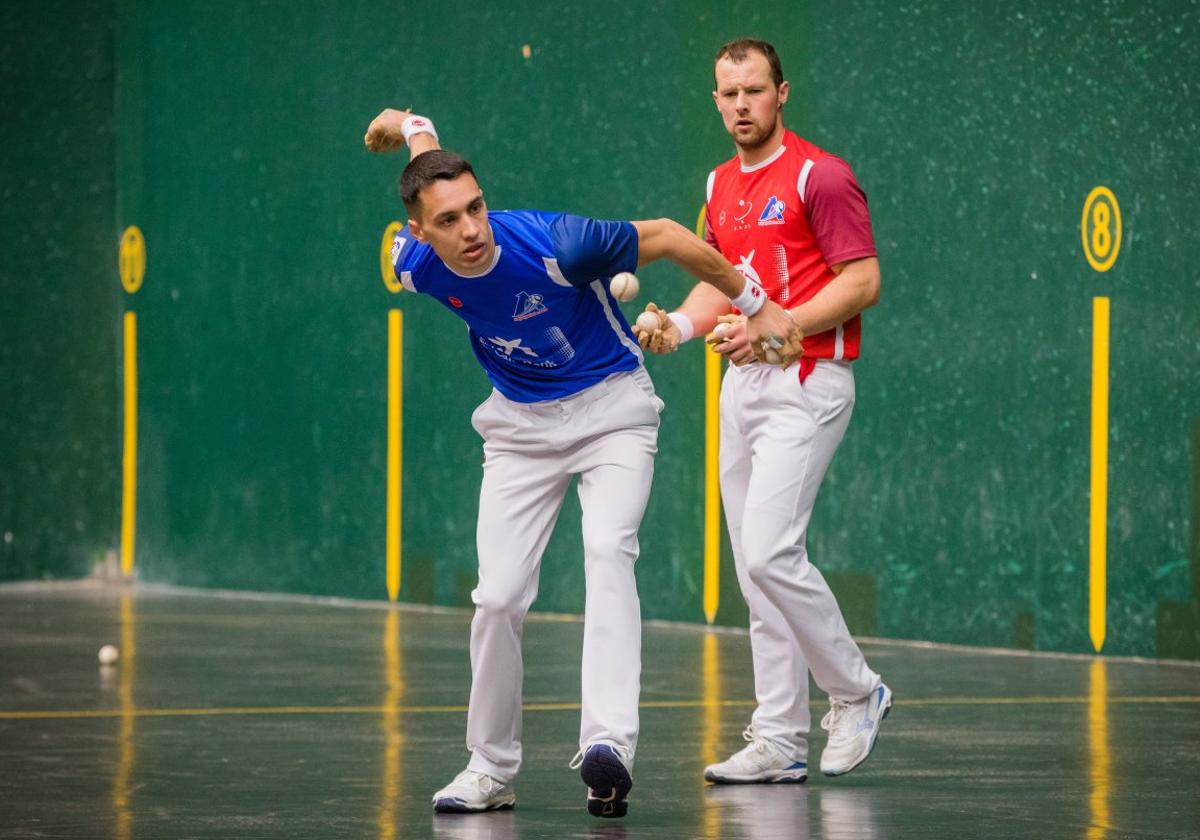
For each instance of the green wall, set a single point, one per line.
(957, 509)
(58, 291)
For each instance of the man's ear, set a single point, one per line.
(783, 93)
(415, 229)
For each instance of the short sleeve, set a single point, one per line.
(837, 212)
(591, 249)
(403, 252)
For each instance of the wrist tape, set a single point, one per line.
(751, 299)
(684, 323)
(417, 125)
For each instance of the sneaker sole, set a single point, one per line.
(608, 784)
(777, 780)
(870, 749)
(457, 806)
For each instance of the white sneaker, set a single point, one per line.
(471, 791)
(853, 727)
(761, 761)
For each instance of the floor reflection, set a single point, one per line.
(393, 738)
(1100, 773)
(497, 825)
(126, 668)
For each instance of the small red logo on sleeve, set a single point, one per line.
(455, 302)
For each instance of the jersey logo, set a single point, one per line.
(772, 214)
(528, 306)
(397, 246)
(747, 269)
(721, 219)
(739, 216)
(507, 346)
(455, 302)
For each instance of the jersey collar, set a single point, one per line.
(768, 161)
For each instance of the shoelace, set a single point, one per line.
(757, 744)
(836, 717)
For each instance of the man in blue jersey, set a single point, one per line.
(570, 397)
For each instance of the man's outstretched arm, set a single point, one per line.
(664, 238)
(386, 133)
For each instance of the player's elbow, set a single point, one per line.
(658, 238)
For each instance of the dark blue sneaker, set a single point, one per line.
(604, 768)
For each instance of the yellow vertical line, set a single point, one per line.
(1100, 769)
(1098, 542)
(123, 775)
(394, 453)
(129, 457)
(393, 739)
(712, 485)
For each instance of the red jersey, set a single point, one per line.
(784, 221)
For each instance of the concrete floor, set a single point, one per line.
(233, 717)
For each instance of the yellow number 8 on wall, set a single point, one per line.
(1100, 228)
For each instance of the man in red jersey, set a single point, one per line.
(790, 217)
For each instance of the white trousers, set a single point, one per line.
(778, 438)
(608, 436)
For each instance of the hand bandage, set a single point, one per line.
(780, 350)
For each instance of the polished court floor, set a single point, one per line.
(235, 717)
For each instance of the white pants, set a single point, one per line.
(608, 436)
(778, 438)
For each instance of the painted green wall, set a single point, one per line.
(957, 509)
(58, 293)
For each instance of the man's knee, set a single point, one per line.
(501, 600)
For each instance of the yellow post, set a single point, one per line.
(129, 457)
(712, 484)
(394, 452)
(1098, 542)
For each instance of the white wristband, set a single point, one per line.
(684, 323)
(417, 125)
(751, 299)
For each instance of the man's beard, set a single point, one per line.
(757, 140)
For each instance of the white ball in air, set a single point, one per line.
(624, 286)
(108, 654)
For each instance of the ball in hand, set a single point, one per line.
(647, 321)
(624, 286)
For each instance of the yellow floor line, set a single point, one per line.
(81, 714)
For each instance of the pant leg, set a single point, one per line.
(615, 470)
(794, 431)
(520, 498)
(780, 673)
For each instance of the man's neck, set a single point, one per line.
(752, 157)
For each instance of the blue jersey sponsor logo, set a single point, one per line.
(772, 214)
(529, 305)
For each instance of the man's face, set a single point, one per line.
(748, 100)
(455, 224)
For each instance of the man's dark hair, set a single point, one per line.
(737, 51)
(423, 170)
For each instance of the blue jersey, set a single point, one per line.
(541, 319)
